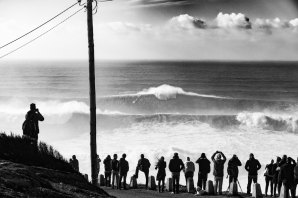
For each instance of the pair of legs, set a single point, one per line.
(124, 175)
(115, 176)
(289, 187)
(269, 180)
(146, 172)
(188, 175)
(218, 185)
(108, 178)
(176, 180)
(202, 179)
(161, 188)
(251, 178)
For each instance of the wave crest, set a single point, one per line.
(268, 122)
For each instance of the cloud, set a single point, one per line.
(294, 22)
(233, 21)
(187, 22)
(126, 27)
(161, 2)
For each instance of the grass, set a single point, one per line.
(20, 150)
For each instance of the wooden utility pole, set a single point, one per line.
(93, 149)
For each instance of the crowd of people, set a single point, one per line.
(284, 171)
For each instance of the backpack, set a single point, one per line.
(28, 127)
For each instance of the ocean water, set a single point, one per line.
(158, 108)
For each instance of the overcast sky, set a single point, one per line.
(157, 29)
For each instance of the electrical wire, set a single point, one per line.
(42, 33)
(39, 25)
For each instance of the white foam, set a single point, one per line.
(269, 121)
(165, 92)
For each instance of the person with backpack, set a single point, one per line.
(30, 126)
(108, 170)
(115, 171)
(176, 166)
(233, 170)
(252, 166)
(143, 165)
(218, 170)
(161, 173)
(269, 174)
(123, 169)
(204, 169)
(189, 169)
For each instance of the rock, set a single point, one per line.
(256, 191)
(86, 177)
(133, 183)
(169, 185)
(101, 180)
(233, 188)
(190, 185)
(151, 183)
(210, 187)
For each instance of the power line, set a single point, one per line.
(39, 25)
(41, 34)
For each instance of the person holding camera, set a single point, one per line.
(204, 169)
(233, 171)
(218, 171)
(30, 126)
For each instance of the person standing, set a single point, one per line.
(108, 169)
(280, 164)
(218, 170)
(204, 169)
(123, 169)
(269, 174)
(287, 176)
(232, 169)
(296, 176)
(175, 166)
(161, 173)
(30, 126)
(189, 169)
(115, 171)
(98, 160)
(143, 165)
(276, 170)
(75, 163)
(252, 166)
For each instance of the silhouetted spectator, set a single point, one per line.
(123, 169)
(74, 163)
(161, 173)
(280, 164)
(218, 171)
(269, 174)
(204, 169)
(287, 176)
(189, 169)
(296, 176)
(30, 126)
(232, 169)
(252, 166)
(143, 165)
(175, 166)
(115, 170)
(108, 170)
(275, 176)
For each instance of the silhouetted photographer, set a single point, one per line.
(30, 126)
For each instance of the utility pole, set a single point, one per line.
(93, 149)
